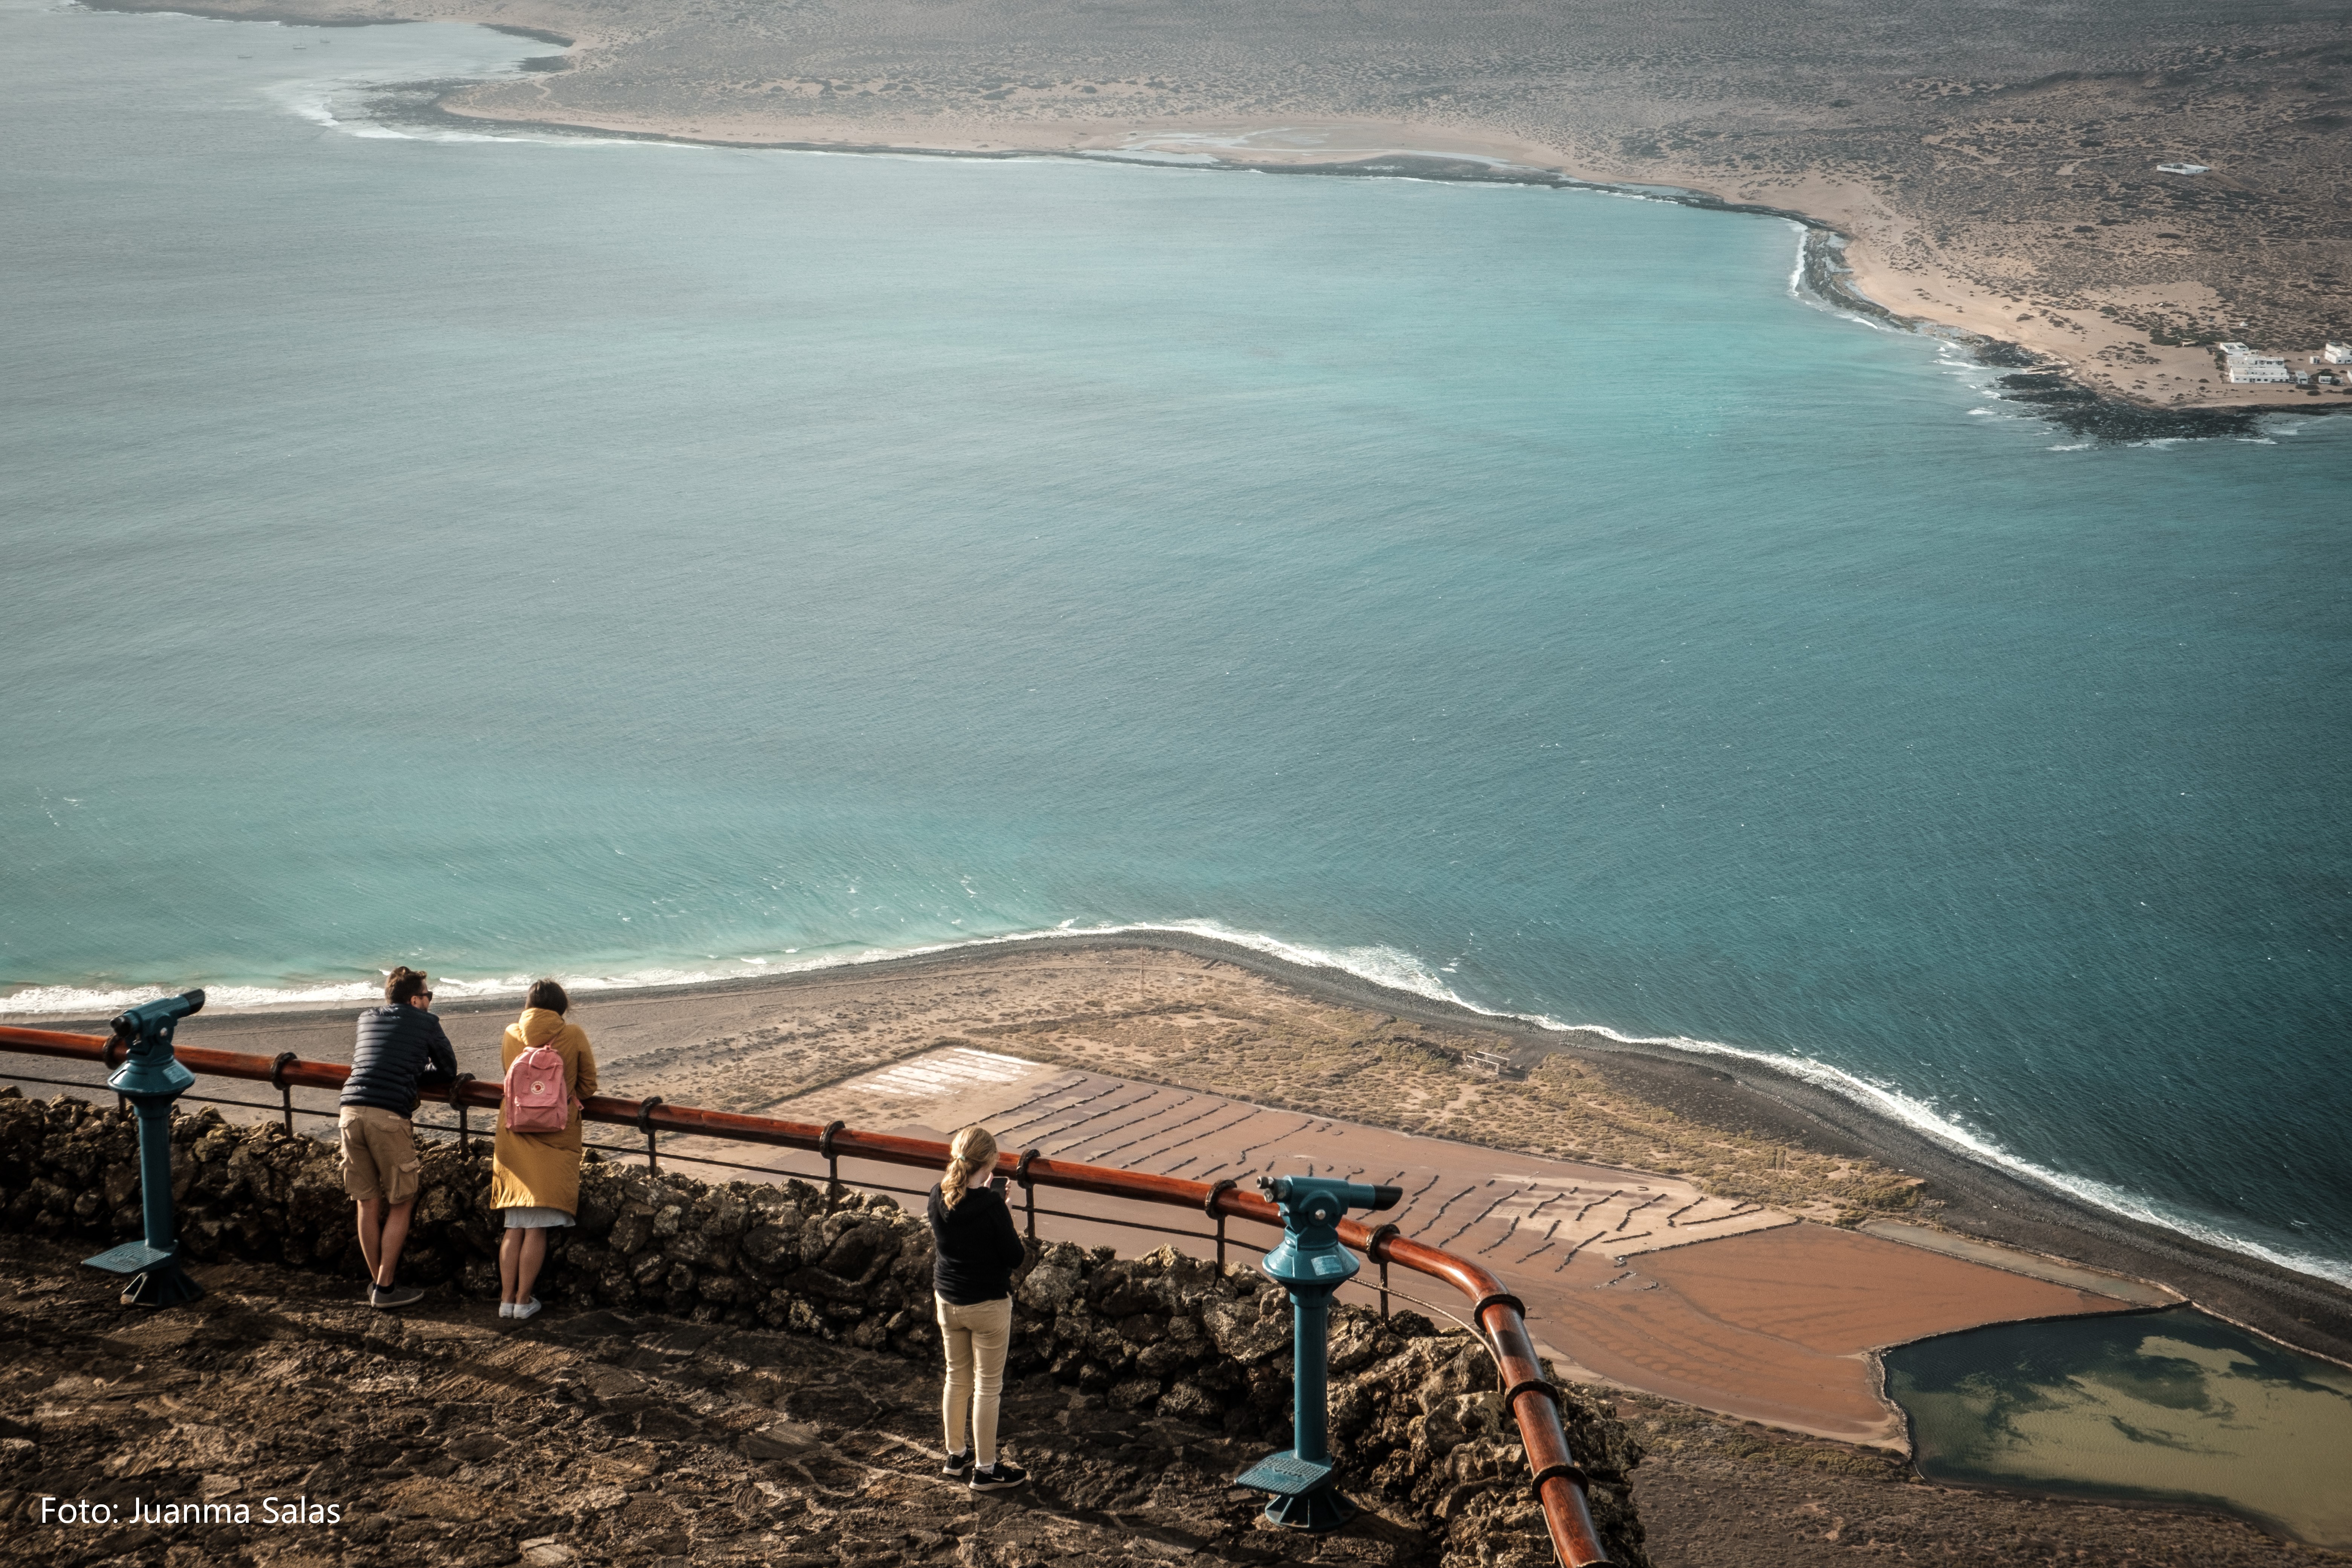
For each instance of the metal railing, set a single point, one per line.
(1495, 1316)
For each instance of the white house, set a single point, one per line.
(2254, 367)
(2338, 353)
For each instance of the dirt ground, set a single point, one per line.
(600, 1439)
(587, 1438)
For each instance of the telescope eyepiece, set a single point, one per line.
(149, 1015)
(1340, 1195)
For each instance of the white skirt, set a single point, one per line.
(528, 1218)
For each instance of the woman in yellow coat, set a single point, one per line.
(535, 1176)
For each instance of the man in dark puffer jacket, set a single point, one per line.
(401, 1047)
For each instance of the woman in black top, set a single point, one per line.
(974, 1250)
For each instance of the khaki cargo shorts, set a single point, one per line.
(379, 1156)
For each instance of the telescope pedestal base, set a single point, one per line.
(1320, 1509)
(165, 1285)
(1303, 1496)
(156, 1278)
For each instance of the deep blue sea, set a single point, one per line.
(632, 561)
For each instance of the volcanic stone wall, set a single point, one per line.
(1417, 1419)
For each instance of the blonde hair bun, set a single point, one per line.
(970, 1151)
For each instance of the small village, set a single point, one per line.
(2245, 365)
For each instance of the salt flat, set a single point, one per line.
(1630, 1278)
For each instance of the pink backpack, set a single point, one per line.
(537, 1099)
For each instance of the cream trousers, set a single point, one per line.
(976, 1337)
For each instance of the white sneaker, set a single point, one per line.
(505, 1309)
(527, 1309)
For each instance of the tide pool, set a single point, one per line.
(521, 554)
(2171, 1406)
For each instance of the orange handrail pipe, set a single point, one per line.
(1559, 1482)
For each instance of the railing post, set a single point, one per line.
(832, 1164)
(1209, 1207)
(285, 1090)
(1377, 1252)
(458, 1099)
(646, 1126)
(1028, 1188)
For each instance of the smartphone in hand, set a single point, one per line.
(997, 1185)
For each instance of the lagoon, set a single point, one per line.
(2173, 1407)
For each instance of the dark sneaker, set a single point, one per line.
(997, 1478)
(384, 1295)
(956, 1465)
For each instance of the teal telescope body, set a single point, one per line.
(151, 1077)
(1310, 1263)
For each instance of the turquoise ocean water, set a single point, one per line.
(641, 561)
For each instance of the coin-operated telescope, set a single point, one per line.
(151, 1078)
(1310, 1264)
